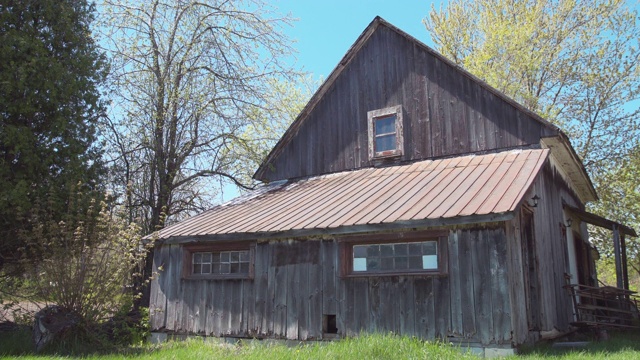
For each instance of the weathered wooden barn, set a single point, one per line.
(408, 196)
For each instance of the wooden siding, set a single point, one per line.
(445, 112)
(296, 282)
(555, 305)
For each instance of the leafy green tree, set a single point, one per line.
(573, 62)
(50, 73)
(576, 64)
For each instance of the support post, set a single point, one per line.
(617, 252)
(625, 270)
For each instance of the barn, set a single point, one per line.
(408, 196)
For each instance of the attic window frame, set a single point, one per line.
(191, 249)
(374, 115)
(347, 244)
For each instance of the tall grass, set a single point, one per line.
(623, 345)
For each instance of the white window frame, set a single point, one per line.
(372, 116)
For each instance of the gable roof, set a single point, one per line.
(338, 70)
(466, 189)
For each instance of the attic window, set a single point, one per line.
(385, 132)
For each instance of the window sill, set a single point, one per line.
(396, 273)
(218, 277)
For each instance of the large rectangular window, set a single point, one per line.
(414, 256)
(395, 254)
(219, 261)
(385, 132)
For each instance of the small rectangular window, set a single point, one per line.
(385, 132)
(219, 261)
(224, 262)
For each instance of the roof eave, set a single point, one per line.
(346, 230)
(561, 147)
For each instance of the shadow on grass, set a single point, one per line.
(19, 343)
(618, 342)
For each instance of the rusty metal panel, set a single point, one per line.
(430, 189)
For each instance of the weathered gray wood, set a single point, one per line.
(387, 71)
(293, 300)
(481, 270)
(303, 297)
(315, 305)
(329, 250)
(424, 308)
(262, 304)
(500, 287)
(375, 311)
(406, 306)
(466, 285)
(454, 286)
(159, 287)
(278, 287)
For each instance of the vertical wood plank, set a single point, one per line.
(482, 286)
(499, 286)
(466, 285)
(424, 308)
(454, 285)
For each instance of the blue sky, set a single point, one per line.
(327, 28)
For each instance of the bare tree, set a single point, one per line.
(191, 79)
(193, 102)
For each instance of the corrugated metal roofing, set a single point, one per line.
(433, 189)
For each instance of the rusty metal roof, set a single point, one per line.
(375, 198)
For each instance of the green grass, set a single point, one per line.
(377, 346)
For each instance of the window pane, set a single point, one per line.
(401, 263)
(234, 268)
(197, 269)
(224, 268)
(244, 268)
(360, 251)
(386, 263)
(386, 125)
(235, 256)
(401, 249)
(386, 250)
(244, 256)
(359, 264)
(224, 257)
(373, 264)
(429, 248)
(415, 262)
(386, 143)
(197, 258)
(206, 268)
(415, 249)
(206, 257)
(429, 262)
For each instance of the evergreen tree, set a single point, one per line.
(50, 73)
